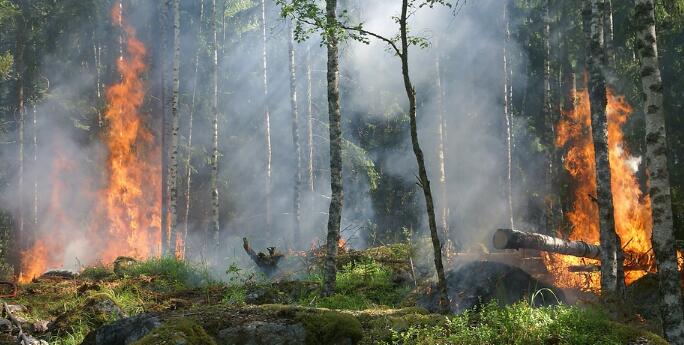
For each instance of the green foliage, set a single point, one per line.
(6, 63)
(360, 285)
(99, 272)
(521, 324)
(173, 274)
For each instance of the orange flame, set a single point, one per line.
(126, 216)
(131, 201)
(341, 243)
(632, 211)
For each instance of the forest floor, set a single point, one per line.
(379, 300)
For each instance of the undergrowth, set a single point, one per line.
(175, 274)
(520, 324)
(360, 285)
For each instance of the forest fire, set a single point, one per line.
(631, 206)
(125, 215)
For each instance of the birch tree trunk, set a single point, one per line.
(164, 132)
(671, 309)
(19, 238)
(507, 116)
(599, 128)
(337, 193)
(267, 118)
(441, 151)
(34, 132)
(214, 225)
(188, 155)
(173, 145)
(296, 206)
(608, 34)
(309, 125)
(422, 171)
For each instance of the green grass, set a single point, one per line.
(521, 324)
(173, 274)
(360, 285)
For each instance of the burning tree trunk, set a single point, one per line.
(295, 139)
(173, 145)
(267, 116)
(610, 243)
(514, 239)
(188, 156)
(337, 196)
(214, 225)
(663, 237)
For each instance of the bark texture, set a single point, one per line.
(173, 144)
(214, 222)
(297, 197)
(599, 128)
(441, 151)
(337, 196)
(507, 115)
(672, 311)
(309, 125)
(422, 171)
(164, 131)
(514, 239)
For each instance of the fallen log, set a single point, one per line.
(514, 239)
(597, 268)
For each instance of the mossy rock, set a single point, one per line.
(330, 327)
(95, 311)
(177, 332)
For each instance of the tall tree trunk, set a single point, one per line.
(214, 112)
(610, 243)
(671, 309)
(441, 150)
(267, 118)
(173, 144)
(34, 132)
(164, 132)
(507, 116)
(296, 206)
(19, 238)
(608, 34)
(188, 155)
(337, 193)
(309, 125)
(422, 171)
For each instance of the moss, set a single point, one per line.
(97, 273)
(329, 327)
(96, 310)
(177, 331)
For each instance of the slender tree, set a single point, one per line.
(20, 118)
(267, 117)
(671, 309)
(214, 222)
(175, 128)
(335, 125)
(309, 125)
(188, 155)
(296, 205)
(164, 132)
(441, 149)
(507, 113)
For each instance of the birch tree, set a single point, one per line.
(296, 201)
(164, 131)
(671, 310)
(213, 53)
(173, 145)
(267, 117)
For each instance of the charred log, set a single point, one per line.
(514, 239)
(267, 262)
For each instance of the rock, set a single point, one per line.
(479, 282)
(179, 331)
(123, 332)
(264, 333)
(16, 308)
(40, 326)
(5, 324)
